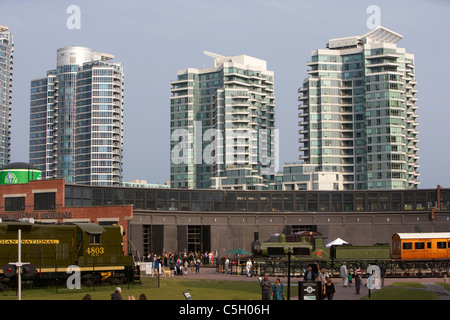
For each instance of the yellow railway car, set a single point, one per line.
(421, 246)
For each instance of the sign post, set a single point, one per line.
(289, 274)
(19, 265)
(309, 290)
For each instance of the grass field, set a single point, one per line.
(405, 291)
(172, 289)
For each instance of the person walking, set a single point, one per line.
(249, 267)
(186, 265)
(179, 267)
(344, 274)
(278, 290)
(172, 267)
(155, 266)
(227, 264)
(324, 275)
(329, 290)
(266, 285)
(382, 274)
(358, 276)
(309, 275)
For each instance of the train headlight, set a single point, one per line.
(9, 270)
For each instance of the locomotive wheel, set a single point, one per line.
(28, 284)
(87, 280)
(118, 279)
(87, 283)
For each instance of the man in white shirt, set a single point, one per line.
(227, 263)
(344, 274)
(249, 268)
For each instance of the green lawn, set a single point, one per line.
(402, 291)
(170, 289)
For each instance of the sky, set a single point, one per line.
(154, 39)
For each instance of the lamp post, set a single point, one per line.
(19, 265)
(289, 274)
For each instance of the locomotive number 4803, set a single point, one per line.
(95, 251)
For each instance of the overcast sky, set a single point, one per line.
(154, 39)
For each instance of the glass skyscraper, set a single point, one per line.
(223, 125)
(76, 119)
(358, 113)
(6, 73)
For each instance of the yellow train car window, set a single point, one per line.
(419, 245)
(428, 245)
(407, 245)
(441, 245)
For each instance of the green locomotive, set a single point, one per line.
(309, 246)
(50, 249)
(302, 246)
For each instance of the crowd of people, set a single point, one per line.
(276, 290)
(357, 275)
(328, 291)
(180, 262)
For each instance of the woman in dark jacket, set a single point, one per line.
(329, 290)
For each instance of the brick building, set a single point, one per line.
(164, 220)
(44, 201)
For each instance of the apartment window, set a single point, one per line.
(15, 204)
(44, 201)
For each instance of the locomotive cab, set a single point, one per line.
(89, 246)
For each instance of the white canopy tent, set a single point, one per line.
(337, 242)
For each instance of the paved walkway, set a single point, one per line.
(430, 284)
(347, 293)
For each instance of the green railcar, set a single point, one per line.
(309, 246)
(55, 251)
(302, 246)
(349, 252)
